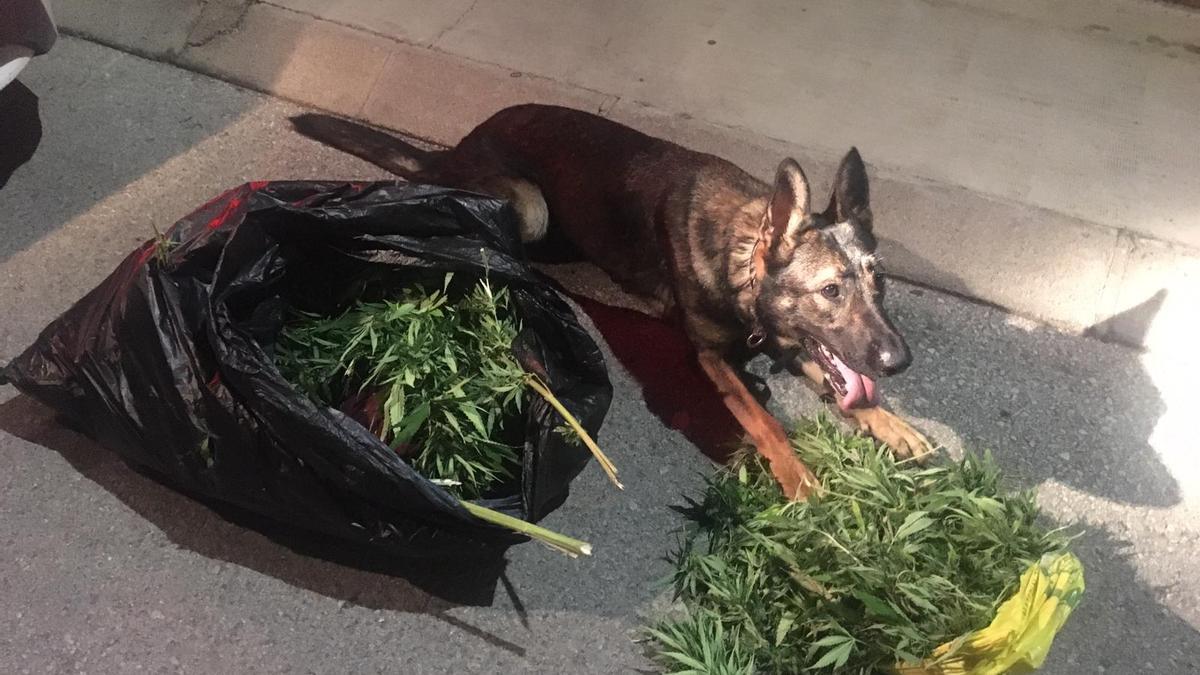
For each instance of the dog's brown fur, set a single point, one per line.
(733, 257)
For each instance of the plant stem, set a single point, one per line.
(556, 541)
(537, 385)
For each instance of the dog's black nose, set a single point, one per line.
(892, 358)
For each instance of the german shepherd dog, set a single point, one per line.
(745, 265)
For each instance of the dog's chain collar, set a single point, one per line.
(758, 334)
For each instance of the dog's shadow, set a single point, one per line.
(1050, 405)
(353, 574)
(21, 132)
(1120, 612)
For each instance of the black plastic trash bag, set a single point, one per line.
(169, 361)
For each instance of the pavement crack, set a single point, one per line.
(454, 25)
(361, 114)
(217, 18)
(1124, 245)
(609, 102)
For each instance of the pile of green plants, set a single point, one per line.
(438, 379)
(431, 372)
(889, 562)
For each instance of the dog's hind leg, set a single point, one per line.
(661, 302)
(533, 216)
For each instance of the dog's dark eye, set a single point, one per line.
(831, 291)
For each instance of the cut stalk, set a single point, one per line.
(559, 542)
(537, 385)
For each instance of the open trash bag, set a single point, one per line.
(169, 361)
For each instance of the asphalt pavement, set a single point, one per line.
(107, 571)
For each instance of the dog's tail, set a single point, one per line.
(377, 147)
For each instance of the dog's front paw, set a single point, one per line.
(797, 480)
(904, 440)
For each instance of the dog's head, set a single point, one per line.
(821, 291)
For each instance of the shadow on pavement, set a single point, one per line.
(1121, 621)
(110, 118)
(1056, 407)
(1134, 323)
(1050, 405)
(20, 128)
(129, 131)
(333, 568)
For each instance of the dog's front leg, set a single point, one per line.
(796, 479)
(900, 436)
(881, 424)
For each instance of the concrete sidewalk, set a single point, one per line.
(1079, 107)
(1039, 157)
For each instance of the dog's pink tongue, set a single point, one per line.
(860, 389)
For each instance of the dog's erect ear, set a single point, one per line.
(789, 203)
(851, 195)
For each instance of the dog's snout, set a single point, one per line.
(892, 358)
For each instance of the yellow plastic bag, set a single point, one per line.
(1020, 635)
